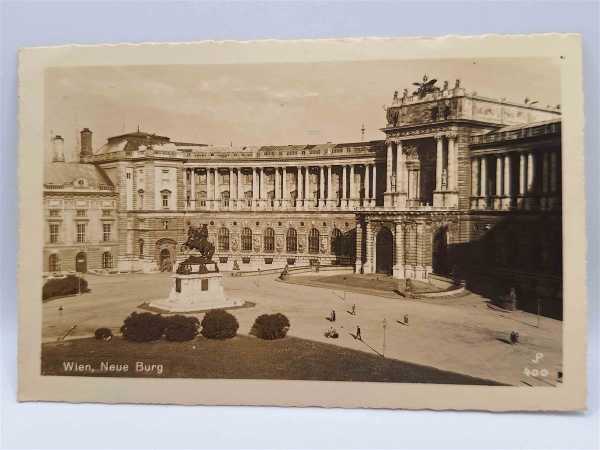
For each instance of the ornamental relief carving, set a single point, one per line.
(301, 243)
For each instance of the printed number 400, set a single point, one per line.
(535, 372)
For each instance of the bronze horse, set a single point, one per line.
(198, 240)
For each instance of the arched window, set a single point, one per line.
(107, 260)
(269, 239)
(54, 263)
(141, 247)
(337, 242)
(313, 241)
(291, 241)
(223, 239)
(246, 240)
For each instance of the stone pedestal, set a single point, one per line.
(196, 292)
(445, 199)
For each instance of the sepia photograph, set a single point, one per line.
(385, 221)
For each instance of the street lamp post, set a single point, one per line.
(384, 325)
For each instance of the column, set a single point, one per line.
(418, 184)
(215, 184)
(344, 182)
(329, 185)
(276, 177)
(483, 176)
(263, 193)
(522, 173)
(254, 184)
(439, 161)
(399, 251)
(553, 171)
(475, 177)
(321, 186)
(507, 182)
(419, 269)
(368, 267)
(367, 185)
(240, 189)
(193, 190)
(300, 187)
(352, 185)
(452, 163)
(499, 176)
(390, 150)
(374, 184)
(231, 187)
(284, 187)
(399, 167)
(359, 257)
(530, 173)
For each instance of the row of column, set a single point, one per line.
(538, 176)
(325, 192)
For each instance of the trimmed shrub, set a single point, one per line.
(270, 326)
(103, 333)
(143, 327)
(219, 324)
(59, 287)
(181, 328)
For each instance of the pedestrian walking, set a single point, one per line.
(358, 335)
(353, 310)
(333, 315)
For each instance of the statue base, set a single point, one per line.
(196, 292)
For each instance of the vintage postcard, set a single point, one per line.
(378, 222)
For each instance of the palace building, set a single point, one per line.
(460, 185)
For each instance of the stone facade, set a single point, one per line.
(457, 181)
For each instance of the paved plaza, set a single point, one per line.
(460, 334)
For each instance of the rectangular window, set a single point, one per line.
(53, 233)
(81, 228)
(106, 232)
(177, 284)
(106, 212)
(245, 260)
(81, 213)
(165, 200)
(204, 285)
(54, 212)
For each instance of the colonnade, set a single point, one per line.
(355, 185)
(525, 180)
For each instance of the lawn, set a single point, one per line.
(374, 283)
(242, 357)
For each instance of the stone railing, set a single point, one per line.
(521, 133)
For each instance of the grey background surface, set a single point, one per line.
(46, 425)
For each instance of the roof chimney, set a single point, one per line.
(86, 143)
(58, 149)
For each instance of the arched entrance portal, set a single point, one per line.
(384, 251)
(165, 261)
(81, 262)
(441, 262)
(165, 254)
